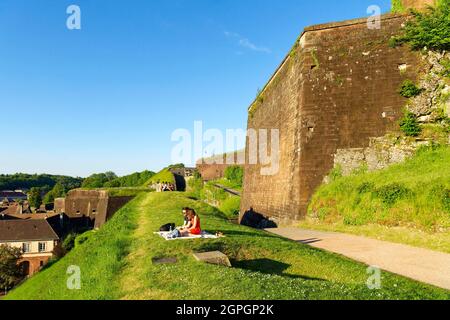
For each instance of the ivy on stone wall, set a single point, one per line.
(430, 29)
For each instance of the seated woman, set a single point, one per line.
(194, 226)
(186, 221)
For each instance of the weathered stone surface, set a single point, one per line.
(213, 257)
(335, 91)
(417, 4)
(426, 105)
(168, 260)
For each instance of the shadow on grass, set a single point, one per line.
(256, 233)
(268, 266)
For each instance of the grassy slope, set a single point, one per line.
(265, 266)
(163, 176)
(420, 217)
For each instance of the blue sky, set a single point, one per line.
(109, 96)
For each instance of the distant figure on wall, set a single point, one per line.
(256, 220)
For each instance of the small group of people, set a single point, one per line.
(165, 186)
(191, 224)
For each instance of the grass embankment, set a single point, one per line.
(406, 203)
(212, 194)
(164, 176)
(116, 263)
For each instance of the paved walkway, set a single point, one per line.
(420, 264)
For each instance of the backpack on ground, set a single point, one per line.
(167, 227)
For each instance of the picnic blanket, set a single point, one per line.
(204, 235)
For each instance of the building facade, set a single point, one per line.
(35, 238)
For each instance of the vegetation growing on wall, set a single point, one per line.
(397, 7)
(409, 125)
(409, 89)
(430, 29)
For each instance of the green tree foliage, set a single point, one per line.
(35, 198)
(10, 273)
(28, 181)
(98, 180)
(111, 180)
(58, 191)
(235, 174)
(136, 179)
(429, 29)
(409, 125)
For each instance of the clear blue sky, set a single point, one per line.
(108, 96)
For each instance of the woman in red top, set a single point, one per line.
(195, 228)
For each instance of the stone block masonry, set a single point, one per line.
(337, 89)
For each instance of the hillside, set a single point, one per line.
(163, 176)
(28, 181)
(116, 263)
(413, 195)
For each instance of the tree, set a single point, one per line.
(34, 197)
(98, 180)
(235, 174)
(58, 191)
(10, 272)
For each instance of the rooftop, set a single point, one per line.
(26, 230)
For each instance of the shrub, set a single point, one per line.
(365, 187)
(409, 125)
(231, 206)
(429, 29)
(391, 193)
(446, 64)
(195, 186)
(235, 174)
(409, 89)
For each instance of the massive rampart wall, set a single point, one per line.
(336, 89)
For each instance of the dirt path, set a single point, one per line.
(416, 263)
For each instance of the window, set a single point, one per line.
(26, 247)
(42, 246)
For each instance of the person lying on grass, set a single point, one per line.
(194, 224)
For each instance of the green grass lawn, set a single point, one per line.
(116, 263)
(407, 202)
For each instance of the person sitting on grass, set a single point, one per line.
(194, 225)
(187, 222)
